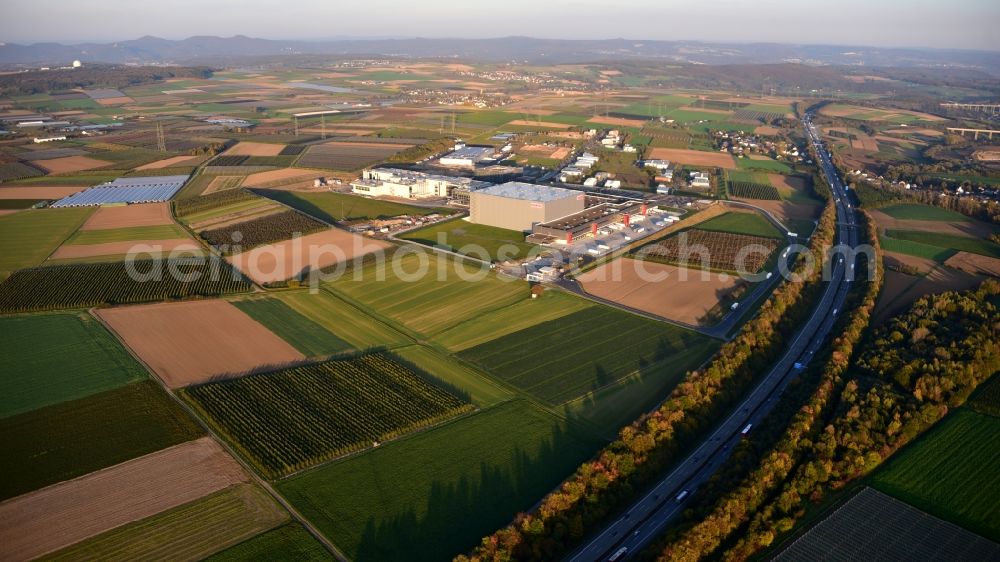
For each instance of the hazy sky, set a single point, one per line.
(973, 24)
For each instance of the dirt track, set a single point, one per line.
(196, 341)
(693, 157)
(283, 260)
(63, 514)
(635, 284)
(128, 216)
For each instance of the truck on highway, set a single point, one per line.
(619, 554)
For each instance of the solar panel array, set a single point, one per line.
(151, 189)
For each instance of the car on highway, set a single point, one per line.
(680, 497)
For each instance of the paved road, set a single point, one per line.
(644, 520)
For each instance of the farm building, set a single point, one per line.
(467, 156)
(409, 184)
(519, 206)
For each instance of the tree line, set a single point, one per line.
(93, 76)
(905, 378)
(649, 446)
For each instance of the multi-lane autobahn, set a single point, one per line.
(644, 520)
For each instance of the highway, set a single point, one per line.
(646, 519)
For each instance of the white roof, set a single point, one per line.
(528, 191)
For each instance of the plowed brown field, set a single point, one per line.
(658, 288)
(63, 514)
(693, 157)
(283, 260)
(128, 216)
(197, 341)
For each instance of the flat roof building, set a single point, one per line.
(467, 156)
(410, 184)
(520, 206)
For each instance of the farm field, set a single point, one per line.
(436, 493)
(704, 249)
(226, 341)
(100, 501)
(28, 237)
(76, 437)
(693, 157)
(188, 532)
(916, 249)
(70, 164)
(751, 224)
(434, 301)
(247, 148)
(947, 242)
(901, 290)
(258, 231)
(157, 249)
(975, 264)
(874, 526)
(108, 235)
(195, 209)
(36, 192)
(289, 420)
(334, 207)
(343, 320)
(763, 165)
(660, 290)
(92, 284)
(289, 542)
(962, 227)
(347, 156)
(51, 358)
(129, 216)
(601, 345)
(476, 240)
(518, 316)
(950, 472)
(750, 186)
(481, 389)
(297, 257)
(311, 339)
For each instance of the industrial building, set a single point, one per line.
(467, 156)
(410, 184)
(520, 206)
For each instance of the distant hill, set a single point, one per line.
(217, 50)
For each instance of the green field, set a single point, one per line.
(951, 472)
(492, 118)
(518, 316)
(332, 207)
(160, 232)
(343, 320)
(765, 165)
(74, 438)
(305, 335)
(562, 359)
(434, 494)
(913, 211)
(28, 237)
(288, 542)
(915, 249)
(741, 223)
(692, 114)
(434, 301)
(188, 532)
(481, 389)
(51, 358)
(287, 420)
(947, 241)
(476, 240)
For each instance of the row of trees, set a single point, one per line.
(650, 445)
(731, 510)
